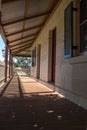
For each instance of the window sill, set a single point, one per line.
(84, 53)
(77, 60)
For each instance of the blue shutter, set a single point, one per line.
(68, 31)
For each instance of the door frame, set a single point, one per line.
(50, 55)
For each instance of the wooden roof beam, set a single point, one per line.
(24, 19)
(7, 1)
(20, 50)
(23, 55)
(20, 43)
(34, 34)
(25, 13)
(31, 28)
(19, 46)
(51, 4)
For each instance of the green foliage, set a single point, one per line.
(23, 62)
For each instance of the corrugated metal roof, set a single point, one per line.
(35, 21)
(38, 6)
(13, 28)
(30, 32)
(13, 10)
(24, 53)
(10, 38)
(22, 20)
(20, 45)
(14, 43)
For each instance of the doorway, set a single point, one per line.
(53, 56)
(38, 60)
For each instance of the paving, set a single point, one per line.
(27, 104)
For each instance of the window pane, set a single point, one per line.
(83, 40)
(83, 26)
(68, 31)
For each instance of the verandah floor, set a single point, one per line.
(26, 104)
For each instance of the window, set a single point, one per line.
(34, 57)
(68, 32)
(75, 31)
(83, 26)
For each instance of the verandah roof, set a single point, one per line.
(22, 21)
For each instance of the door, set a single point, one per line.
(38, 61)
(53, 55)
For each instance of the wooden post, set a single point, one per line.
(9, 64)
(6, 62)
(0, 17)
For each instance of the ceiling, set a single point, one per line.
(22, 21)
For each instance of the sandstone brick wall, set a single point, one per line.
(71, 74)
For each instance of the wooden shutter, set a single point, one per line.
(83, 26)
(34, 57)
(68, 31)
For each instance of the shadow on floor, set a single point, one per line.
(41, 112)
(2, 91)
(38, 111)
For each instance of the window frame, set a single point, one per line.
(34, 57)
(67, 41)
(83, 23)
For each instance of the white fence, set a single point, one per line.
(2, 71)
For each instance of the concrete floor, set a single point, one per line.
(26, 104)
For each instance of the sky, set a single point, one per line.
(2, 45)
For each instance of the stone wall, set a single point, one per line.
(71, 74)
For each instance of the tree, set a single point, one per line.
(23, 62)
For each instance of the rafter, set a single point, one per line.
(20, 50)
(26, 8)
(31, 28)
(25, 14)
(7, 1)
(28, 36)
(51, 4)
(19, 46)
(21, 55)
(13, 45)
(3, 33)
(49, 10)
(24, 19)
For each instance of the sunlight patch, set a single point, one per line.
(50, 111)
(35, 125)
(59, 117)
(41, 128)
